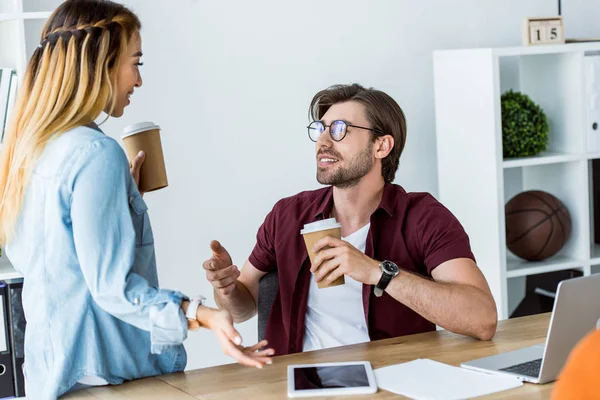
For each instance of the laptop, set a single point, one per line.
(575, 313)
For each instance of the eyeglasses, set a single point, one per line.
(337, 130)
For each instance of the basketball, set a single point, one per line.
(537, 225)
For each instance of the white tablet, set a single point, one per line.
(331, 379)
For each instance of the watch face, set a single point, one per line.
(390, 268)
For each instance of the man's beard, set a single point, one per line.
(344, 178)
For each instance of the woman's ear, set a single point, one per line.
(385, 144)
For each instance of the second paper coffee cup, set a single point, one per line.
(314, 232)
(145, 136)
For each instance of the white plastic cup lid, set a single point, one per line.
(322, 225)
(139, 127)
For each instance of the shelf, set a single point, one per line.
(7, 6)
(6, 269)
(468, 88)
(516, 268)
(543, 158)
(28, 15)
(525, 50)
(33, 30)
(9, 44)
(37, 15)
(592, 156)
(40, 5)
(8, 17)
(595, 254)
(546, 49)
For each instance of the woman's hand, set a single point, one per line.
(221, 323)
(135, 166)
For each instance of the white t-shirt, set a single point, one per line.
(335, 316)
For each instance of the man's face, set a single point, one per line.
(343, 164)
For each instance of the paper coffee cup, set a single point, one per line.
(145, 136)
(314, 232)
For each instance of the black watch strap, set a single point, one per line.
(382, 284)
(388, 271)
(384, 281)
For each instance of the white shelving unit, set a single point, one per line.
(21, 23)
(6, 269)
(475, 182)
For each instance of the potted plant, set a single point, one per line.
(524, 126)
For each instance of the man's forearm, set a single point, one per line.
(459, 308)
(239, 303)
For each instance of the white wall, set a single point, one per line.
(581, 18)
(230, 83)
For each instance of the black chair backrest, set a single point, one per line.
(267, 291)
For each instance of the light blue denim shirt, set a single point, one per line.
(85, 248)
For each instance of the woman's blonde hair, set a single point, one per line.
(70, 80)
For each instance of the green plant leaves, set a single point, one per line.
(524, 126)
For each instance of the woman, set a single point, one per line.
(75, 225)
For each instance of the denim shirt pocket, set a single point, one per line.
(141, 221)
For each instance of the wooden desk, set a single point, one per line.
(234, 381)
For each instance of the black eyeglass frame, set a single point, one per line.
(346, 124)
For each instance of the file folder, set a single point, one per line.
(17, 333)
(7, 389)
(6, 80)
(591, 63)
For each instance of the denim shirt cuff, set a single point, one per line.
(168, 325)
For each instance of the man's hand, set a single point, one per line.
(220, 271)
(221, 323)
(341, 258)
(135, 166)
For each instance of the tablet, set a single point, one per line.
(331, 379)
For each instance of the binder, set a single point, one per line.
(12, 98)
(591, 64)
(17, 333)
(6, 80)
(7, 389)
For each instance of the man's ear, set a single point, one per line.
(384, 146)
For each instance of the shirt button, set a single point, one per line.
(136, 301)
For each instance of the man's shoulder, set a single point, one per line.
(423, 207)
(422, 200)
(417, 201)
(428, 215)
(306, 201)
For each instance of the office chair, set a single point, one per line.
(267, 291)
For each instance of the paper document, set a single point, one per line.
(3, 327)
(424, 379)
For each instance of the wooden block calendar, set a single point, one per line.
(543, 31)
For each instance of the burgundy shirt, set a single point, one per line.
(413, 230)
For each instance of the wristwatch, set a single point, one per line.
(195, 302)
(389, 270)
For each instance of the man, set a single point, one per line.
(406, 259)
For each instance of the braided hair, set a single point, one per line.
(70, 79)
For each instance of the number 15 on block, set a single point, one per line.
(543, 31)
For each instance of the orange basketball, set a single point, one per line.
(537, 225)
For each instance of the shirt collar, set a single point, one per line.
(387, 203)
(324, 209)
(94, 126)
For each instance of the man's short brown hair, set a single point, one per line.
(383, 113)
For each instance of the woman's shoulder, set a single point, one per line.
(76, 148)
(84, 137)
